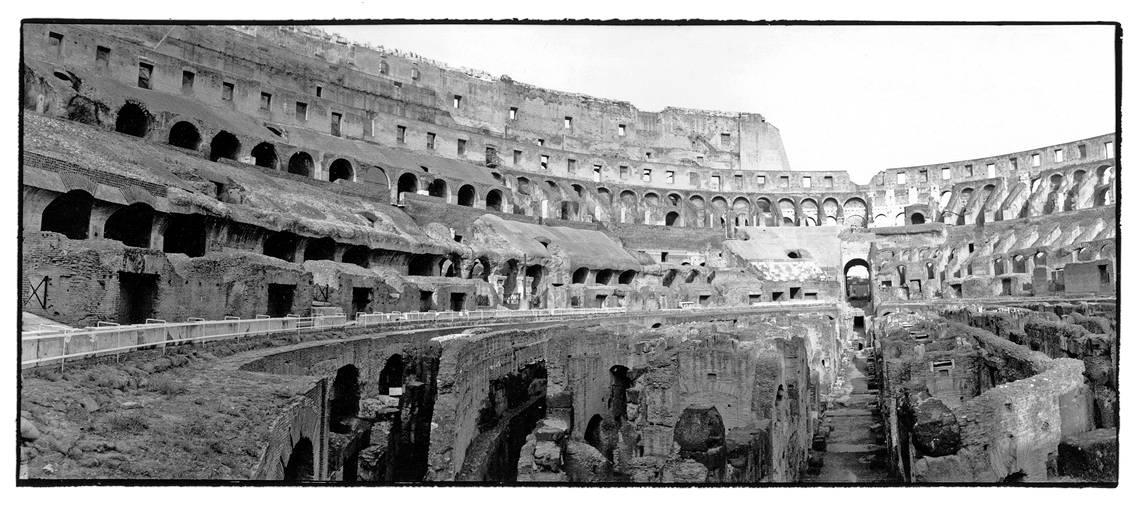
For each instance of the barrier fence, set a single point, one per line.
(50, 343)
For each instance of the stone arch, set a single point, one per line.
(408, 183)
(674, 199)
(651, 199)
(917, 219)
(809, 210)
(301, 163)
(604, 195)
(484, 269)
(603, 276)
(184, 135)
(579, 276)
(301, 464)
(855, 212)
(320, 249)
(523, 185)
(264, 155)
(132, 119)
(341, 169)
(1103, 197)
(787, 210)
(627, 277)
(857, 278)
(671, 219)
(700, 433)
(131, 225)
(392, 374)
(224, 145)
(69, 214)
(466, 196)
(495, 200)
(422, 265)
(344, 399)
(438, 188)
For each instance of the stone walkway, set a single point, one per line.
(855, 452)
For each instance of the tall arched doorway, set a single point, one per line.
(857, 280)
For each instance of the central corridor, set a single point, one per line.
(855, 450)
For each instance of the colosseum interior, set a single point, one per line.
(269, 253)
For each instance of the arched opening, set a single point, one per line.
(857, 278)
(264, 155)
(580, 275)
(593, 433)
(481, 269)
(466, 196)
(320, 249)
(855, 212)
(300, 465)
(701, 436)
(627, 277)
(438, 188)
(917, 219)
(282, 245)
(224, 145)
(357, 255)
(345, 400)
(392, 375)
(449, 267)
(421, 265)
(340, 169)
(408, 183)
(132, 120)
(603, 276)
(184, 135)
(83, 110)
(536, 273)
(524, 186)
(186, 234)
(669, 278)
(671, 218)
(131, 225)
(301, 164)
(495, 200)
(69, 214)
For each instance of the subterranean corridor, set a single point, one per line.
(512, 409)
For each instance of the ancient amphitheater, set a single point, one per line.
(267, 253)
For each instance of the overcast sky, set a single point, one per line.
(854, 98)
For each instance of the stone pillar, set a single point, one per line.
(158, 225)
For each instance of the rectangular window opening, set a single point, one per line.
(513, 113)
(145, 71)
(401, 133)
(266, 101)
(302, 111)
(228, 92)
(456, 101)
(187, 80)
(461, 147)
(621, 130)
(430, 140)
(103, 55)
(334, 126)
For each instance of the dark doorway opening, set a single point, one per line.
(131, 225)
(457, 300)
(408, 183)
(320, 249)
(301, 164)
(340, 169)
(345, 401)
(184, 135)
(138, 294)
(69, 214)
(425, 300)
(280, 300)
(281, 245)
(361, 298)
(186, 234)
(356, 255)
(264, 155)
(224, 145)
(421, 265)
(392, 375)
(132, 120)
(300, 466)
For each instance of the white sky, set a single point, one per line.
(855, 98)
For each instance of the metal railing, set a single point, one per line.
(51, 343)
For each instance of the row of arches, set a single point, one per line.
(225, 145)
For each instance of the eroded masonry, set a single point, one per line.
(269, 253)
